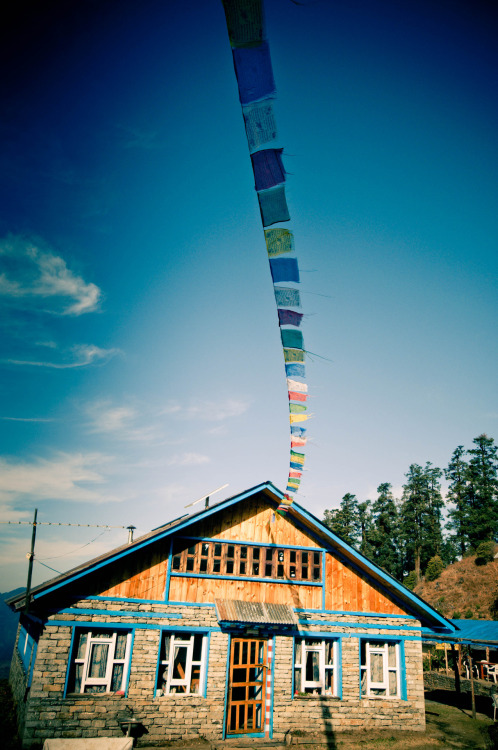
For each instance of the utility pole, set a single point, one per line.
(31, 556)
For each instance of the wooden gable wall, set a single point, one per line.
(252, 520)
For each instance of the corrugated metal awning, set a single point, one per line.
(254, 613)
(472, 632)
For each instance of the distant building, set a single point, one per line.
(232, 621)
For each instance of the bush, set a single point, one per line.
(435, 567)
(468, 614)
(485, 552)
(411, 580)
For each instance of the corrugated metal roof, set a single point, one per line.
(472, 632)
(257, 613)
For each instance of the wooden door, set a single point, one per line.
(246, 686)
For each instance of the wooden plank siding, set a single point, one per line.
(254, 520)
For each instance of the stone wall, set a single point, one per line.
(440, 681)
(48, 714)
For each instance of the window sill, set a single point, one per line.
(316, 697)
(88, 696)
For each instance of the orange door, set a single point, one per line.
(246, 687)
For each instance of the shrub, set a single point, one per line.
(468, 614)
(435, 567)
(485, 552)
(411, 580)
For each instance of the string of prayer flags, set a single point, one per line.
(256, 84)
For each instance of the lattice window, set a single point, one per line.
(100, 661)
(380, 672)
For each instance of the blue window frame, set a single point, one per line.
(182, 668)
(317, 666)
(382, 668)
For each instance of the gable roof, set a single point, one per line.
(299, 515)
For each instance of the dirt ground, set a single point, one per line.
(449, 725)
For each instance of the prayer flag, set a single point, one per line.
(295, 385)
(289, 318)
(261, 128)
(297, 408)
(287, 297)
(279, 241)
(292, 339)
(293, 355)
(299, 431)
(268, 168)
(297, 418)
(284, 269)
(244, 22)
(296, 474)
(296, 466)
(273, 206)
(254, 73)
(297, 371)
(298, 442)
(297, 457)
(296, 396)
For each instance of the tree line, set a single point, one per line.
(403, 535)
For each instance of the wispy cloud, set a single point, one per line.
(72, 477)
(80, 355)
(26, 419)
(188, 459)
(124, 421)
(32, 274)
(133, 137)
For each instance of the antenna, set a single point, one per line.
(206, 497)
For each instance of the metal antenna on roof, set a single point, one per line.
(206, 497)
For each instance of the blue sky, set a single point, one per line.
(140, 357)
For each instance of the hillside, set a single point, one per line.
(463, 590)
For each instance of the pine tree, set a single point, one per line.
(457, 474)
(482, 491)
(345, 521)
(365, 528)
(385, 532)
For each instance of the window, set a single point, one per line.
(26, 646)
(228, 559)
(380, 674)
(100, 661)
(315, 666)
(182, 663)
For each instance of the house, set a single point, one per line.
(231, 621)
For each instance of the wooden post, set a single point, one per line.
(30, 564)
(472, 685)
(457, 671)
(446, 657)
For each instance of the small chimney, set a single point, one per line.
(131, 529)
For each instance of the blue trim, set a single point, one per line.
(359, 614)
(402, 673)
(339, 668)
(324, 592)
(355, 634)
(227, 676)
(274, 649)
(206, 670)
(33, 660)
(118, 613)
(189, 629)
(252, 579)
(192, 604)
(353, 555)
(158, 661)
(293, 681)
(129, 662)
(359, 625)
(71, 651)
